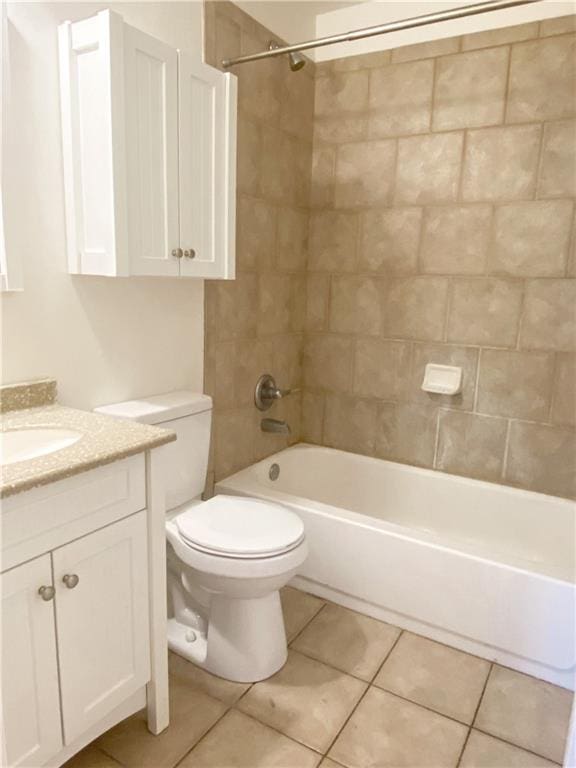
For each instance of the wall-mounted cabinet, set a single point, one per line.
(149, 145)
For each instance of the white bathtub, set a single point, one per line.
(482, 567)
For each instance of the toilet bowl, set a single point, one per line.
(228, 557)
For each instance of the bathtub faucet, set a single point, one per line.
(275, 426)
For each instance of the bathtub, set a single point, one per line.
(481, 567)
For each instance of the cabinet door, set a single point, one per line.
(30, 698)
(207, 127)
(103, 632)
(151, 114)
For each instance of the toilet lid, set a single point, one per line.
(240, 527)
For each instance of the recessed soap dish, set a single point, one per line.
(442, 379)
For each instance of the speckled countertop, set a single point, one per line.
(104, 439)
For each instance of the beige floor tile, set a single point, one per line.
(327, 763)
(347, 640)
(527, 712)
(484, 751)
(428, 673)
(387, 731)
(192, 713)
(224, 690)
(298, 609)
(91, 757)
(306, 700)
(238, 741)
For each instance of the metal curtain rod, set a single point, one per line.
(382, 29)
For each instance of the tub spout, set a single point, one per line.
(275, 426)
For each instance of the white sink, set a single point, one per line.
(23, 444)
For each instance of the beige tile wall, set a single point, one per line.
(255, 324)
(441, 230)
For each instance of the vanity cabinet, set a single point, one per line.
(149, 148)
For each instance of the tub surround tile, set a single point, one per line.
(389, 241)
(485, 311)
(256, 237)
(542, 80)
(292, 245)
(558, 164)
(400, 99)
(29, 394)
(527, 712)
(328, 362)
(299, 608)
(233, 438)
(471, 445)
(305, 700)
(500, 163)
(502, 36)
(312, 417)
(483, 751)
(322, 178)
(455, 240)
(239, 741)
(249, 168)
(559, 25)
(382, 368)
(349, 641)
(341, 129)
(364, 173)
(389, 732)
(564, 397)
(341, 92)
(549, 320)
(355, 305)
(406, 433)
(426, 50)
(444, 354)
(415, 308)
(317, 301)
(542, 458)
(513, 383)
(470, 89)
(428, 168)
(438, 677)
(362, 61)
(350, 423)
(333, 238)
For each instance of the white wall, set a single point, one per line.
(104, 339)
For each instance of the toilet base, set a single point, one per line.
(245, 641)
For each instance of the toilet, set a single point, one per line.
(228, 557)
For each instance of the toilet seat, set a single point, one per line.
(240, 528)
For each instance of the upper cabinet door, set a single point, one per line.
(30, 698)
(101, 585)
(207, 129)
(151, 113)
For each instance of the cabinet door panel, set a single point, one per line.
(103, 645)
(207, 127)
(30, 698)
(151, 113)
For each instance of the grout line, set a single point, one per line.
(477, 381)
(204, 735)
(306, 625)
(512, 744)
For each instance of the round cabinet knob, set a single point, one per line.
(47, 593)
(177, 253)
(70, 580)
(190, 253)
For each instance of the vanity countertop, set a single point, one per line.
(104, 439)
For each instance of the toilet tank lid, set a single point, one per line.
(159, 408)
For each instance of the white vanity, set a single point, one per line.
(82, 586)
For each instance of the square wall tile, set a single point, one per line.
(483, 751)
(406, 433)
(389, 240)
(238, 741)
(471, 445)
(428, 50)
(542, 458)
(559, 25)
(549, 320)
(317, 301)
(501, 163)
(236, 304)
(470, 89)
(298, 608)
(341, 92)
(361, 61)
(542, 80)
(341, 129)
(515, 383)
(292, 244)
(531, 239)
(333, 239)
(349, 641)
(564, 397)
(256, 234)
(502, 36)
(249, 162)
(400, 99)
(485, 311)
(444, 354)
(233, 441)
(455, 239)
(428, 168)
(527, 712)
(364, 173)
(415, 308)
(305, 700)
(322, 178)
(438, 677)
(387, 732)
(274, 303)
(356, 305)
(382, 369)
(558, 165)
(328, 362)
(312, 417)
(350, 423)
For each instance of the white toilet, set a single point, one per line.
(227, 557)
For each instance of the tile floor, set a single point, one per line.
(355, 693)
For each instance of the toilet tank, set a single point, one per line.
(189, 415)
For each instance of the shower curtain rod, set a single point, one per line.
(382, 29)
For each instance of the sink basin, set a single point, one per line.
(23, 444)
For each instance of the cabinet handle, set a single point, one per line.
(177, 253)
(190, 253)
(71, 580)
(47, 593)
